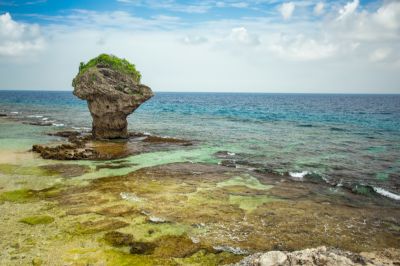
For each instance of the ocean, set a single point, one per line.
(344, 140)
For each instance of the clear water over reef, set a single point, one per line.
(265, 172)
(345, 139)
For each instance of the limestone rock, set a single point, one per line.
(112, 89)
(273, 258)
(321, 256)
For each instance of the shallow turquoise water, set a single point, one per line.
(345, 139)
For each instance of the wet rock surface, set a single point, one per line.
(112, 94)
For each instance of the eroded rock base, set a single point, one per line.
(82, 146)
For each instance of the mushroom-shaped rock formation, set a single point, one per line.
(111, 86)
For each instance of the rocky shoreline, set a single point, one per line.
(322, 256)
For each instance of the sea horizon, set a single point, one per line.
(224, 92)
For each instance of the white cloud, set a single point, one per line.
(287, 10)
(241, 36)
(389, 15)
(348, 9)
(319, 8)
(301, 48)
(17, 38)
(194, 40)
(379, 54)
(222, 4)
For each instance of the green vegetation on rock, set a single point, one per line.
(250, 203)
(13, 169)
(38, 219)
(17, 196)
(112, 62)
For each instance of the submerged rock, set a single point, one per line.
(92, 227)
(142, 248)
(112, 89)
(118, 239)
(38, 219)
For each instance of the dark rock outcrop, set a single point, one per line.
(82, 146)
(112, 89)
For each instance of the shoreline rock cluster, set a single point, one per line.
(83, 146)
(322, 256)
(75, 149)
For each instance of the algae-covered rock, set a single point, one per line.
(38, 219)
(118, 239)
(112, 88)
(92, 227)
(176, 247)
(17, 196)
(142, 248)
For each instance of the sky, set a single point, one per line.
(298, 46)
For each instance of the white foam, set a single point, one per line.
(155, 219)
(35, 116)
(298, 175)
(386, 193)
(231, 153)
(81, 128)
(14, 113)
(130, 197)
(45, 118)
(58, 125)
(195, 240)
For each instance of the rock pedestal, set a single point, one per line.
(112, 94)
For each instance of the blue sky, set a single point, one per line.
(190, 11)
(257, 45)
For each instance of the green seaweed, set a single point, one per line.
(206, 258)
(118, 239)
(13, 169)
(93, 227)
(250, 203)
(17, 196)
(38, 219)
(116, 257)
(151, 231)
(176, 247)
(113, 62)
